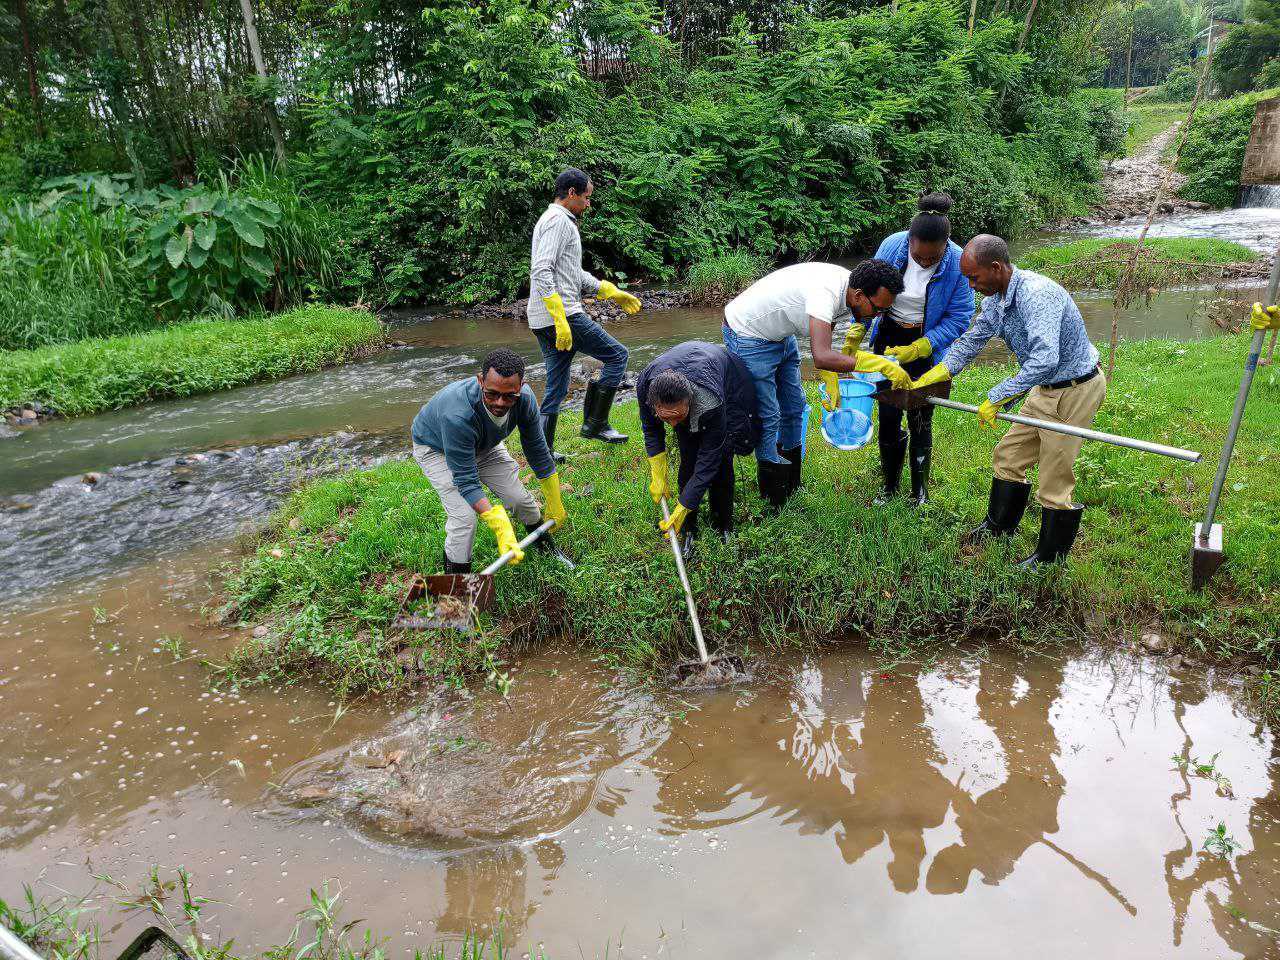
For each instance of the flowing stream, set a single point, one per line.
(833, 808)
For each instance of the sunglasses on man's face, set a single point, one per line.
(497, 396)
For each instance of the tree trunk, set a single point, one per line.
(251, 31)
(1026, 25)
(973, 13)
(29, 57)
(1128, 57)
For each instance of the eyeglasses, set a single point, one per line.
(496, 396)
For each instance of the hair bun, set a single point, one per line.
(937, 203)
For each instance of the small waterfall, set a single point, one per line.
(1259, 195)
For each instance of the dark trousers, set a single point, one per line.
(591, 339)
(919, 421)
(719, 494)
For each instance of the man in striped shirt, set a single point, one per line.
(557, 318)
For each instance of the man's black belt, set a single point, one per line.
(1074, 381)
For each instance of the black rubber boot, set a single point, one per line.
(774, 479)
(720, 504)
(544, 544)
(1058, 529)
(893, 450)
(792, 457)
(549, 431)
(451, 567)
(1005, 508)
(920, 426)
(595, 414)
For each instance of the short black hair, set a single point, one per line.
(932, 224)
(987, 249)
(571, 179)
(870, 275)
(503, 362)
(670, 387)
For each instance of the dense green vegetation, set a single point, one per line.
(427, 137)
(719, 279)
(1214, 149)
(327, 575)
(1152, 39)
(184, 359)
(1099, 262)
(95, 256)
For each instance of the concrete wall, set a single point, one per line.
(1262, 156)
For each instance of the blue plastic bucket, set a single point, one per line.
(850, 427)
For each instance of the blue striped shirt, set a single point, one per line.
(1042, 326)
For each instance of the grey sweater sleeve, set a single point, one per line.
(459, 436)
(532, 439)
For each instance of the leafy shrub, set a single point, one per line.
(720, 279)
(1242, 53)
(1213, 152)
(96, 257)
(1178, 87)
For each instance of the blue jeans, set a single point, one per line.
(590, 338)
(774, 365)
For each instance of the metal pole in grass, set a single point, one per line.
(1206, 544)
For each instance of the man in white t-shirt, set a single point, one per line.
(761, 326)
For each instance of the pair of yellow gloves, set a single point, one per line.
(868, 362)
(898, 377)
(659, 488)
(498, 521)
(607, 291)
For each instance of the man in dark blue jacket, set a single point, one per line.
(706, 394)
(934, 308)
(458, 441)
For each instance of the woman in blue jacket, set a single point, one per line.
(935, 307)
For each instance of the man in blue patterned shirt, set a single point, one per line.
(1058, 374)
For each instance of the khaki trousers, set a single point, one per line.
(1023, 446)
(499, 472)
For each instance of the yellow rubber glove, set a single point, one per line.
(831, 380)
(626, 301)
(676, 520)
(868, 362)
(915, 350)
(987, 413)
(498, 521)
(659, 463)
(853, 339)
(552, 505)
(1264, 318)
(931, 376)
(555, 307)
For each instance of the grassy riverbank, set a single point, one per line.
(326, 577)
(1100, 262)
(185, 359)
(1148, 120)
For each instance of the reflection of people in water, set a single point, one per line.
(884, 784)
(1239, 891)
(487, 887)
(998, 827)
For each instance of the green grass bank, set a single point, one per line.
(1100, 262)
(1148, 120)
(185, 359)
(326, 576)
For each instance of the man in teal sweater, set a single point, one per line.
(458, 441)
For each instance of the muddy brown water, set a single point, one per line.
(833, 808)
